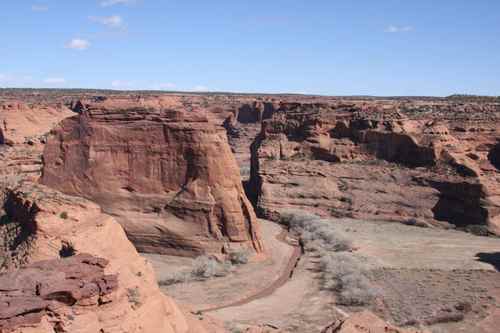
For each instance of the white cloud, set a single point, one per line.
(114, 21)
(396, 29)
(39, 8)
(54, 80)
(109, 3)
(200, 88)
(78, 44)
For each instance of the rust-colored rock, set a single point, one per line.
(23, 123)
(112, 289)
(168, 176)
(363, 322)
(48, 288)
(370, 160)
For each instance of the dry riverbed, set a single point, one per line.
(445, 280)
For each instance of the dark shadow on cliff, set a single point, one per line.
(492, 258)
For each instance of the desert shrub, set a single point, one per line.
(295, 218)
(134, 296)
(63, 215)
(340, 271)
(67, 250)
(478, 230)
(239, 257)
(315, 233)
(205, 267)
(344, 274)
(175, 277)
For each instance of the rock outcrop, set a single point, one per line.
(23, 130)
(50, 288)
(70, 268)
(393, 162)
(363, 322)
(168, 176)
(22, 123)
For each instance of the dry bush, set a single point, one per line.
(174, 278)
(341, 271)
(344, 274)
(315, 233)
(134, 296)
(205, 267)
(239, 257)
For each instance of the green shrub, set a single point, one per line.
(63, 215)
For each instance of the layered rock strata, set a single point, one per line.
(169, 177)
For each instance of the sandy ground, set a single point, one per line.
(244, 282)
(396, 245)
(419, 273)
(298, 306)
(425, 274)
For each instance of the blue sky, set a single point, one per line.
(372, 47)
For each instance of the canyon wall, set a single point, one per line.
(168, 176)
(395, 162)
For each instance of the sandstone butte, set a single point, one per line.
(168, 176)
(428, 163)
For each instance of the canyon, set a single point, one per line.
(116, 191)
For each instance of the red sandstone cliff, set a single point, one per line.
(169, 177)
(384, 162)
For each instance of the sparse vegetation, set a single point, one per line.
(315, 233)
(67, 250)
(344, 274)
(239, 257)
(64, 215)
(340, 270)
(174, 278)
(134, 296)
(205, 267)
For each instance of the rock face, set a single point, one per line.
(168, 176)
(70, 268)
(22, 123)
(396, 162)
(48, 288)
(366, 321)
(23, 130)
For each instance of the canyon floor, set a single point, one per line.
(419, 274)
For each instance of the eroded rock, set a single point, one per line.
(168, 176)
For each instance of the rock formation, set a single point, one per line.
(382, 162)
(23, 130)
(363, 322)
(97, 280)
(23, 123)
(168, 176)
